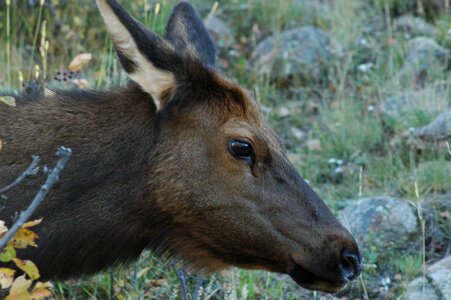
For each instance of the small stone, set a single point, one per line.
(284, 112)
(298, 134)
(314, 144)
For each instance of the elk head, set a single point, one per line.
(218, 171)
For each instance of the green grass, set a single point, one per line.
(341, 114)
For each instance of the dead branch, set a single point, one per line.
(31, 170)
(52, 178)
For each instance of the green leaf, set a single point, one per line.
(28, 267)
(8, 253)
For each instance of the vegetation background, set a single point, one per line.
(340, 131)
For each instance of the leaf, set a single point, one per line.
(32, 223)
(8, 100)
(19, 289)
(8, 253)
(41, 290)
(24, 238)
(3, 229)
(6, 277)
(28, 267)
(80, 61)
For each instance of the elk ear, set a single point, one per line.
(148, 59)
(186, 32)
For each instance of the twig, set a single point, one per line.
(29, 171)
(199, 282)
(181, 276)
(52, 178)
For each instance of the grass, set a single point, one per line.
(340, 114)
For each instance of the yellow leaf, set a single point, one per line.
(80, 61)
(28, 267)
(19, 289)
(40, 293)
(7, 253)
(32, 223)
(24, 238)
(8, 100)
(6, 277)
(3, 229)
(41, 290)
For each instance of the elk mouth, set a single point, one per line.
(312, 281)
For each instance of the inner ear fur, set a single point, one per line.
(148, 59)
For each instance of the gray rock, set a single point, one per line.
(311, 11)
(429, 8)
(431, 101)
(388, 224)
(219, 30)
(437, 285)
(302, 53)
(415, 26)
(425, 60)
(437, 130)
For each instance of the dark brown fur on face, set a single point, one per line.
(152, 168)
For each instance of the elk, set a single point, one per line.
(180, 162)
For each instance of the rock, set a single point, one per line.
(401, 107)
(437, 285)
(437, 130)
(298, 134)
(436, 212)
(302, 53)
(388, 224)
(311, 11)
(284, 112)
(313, 145)
(425, 59)
(219, 30)
(415, 26)
(429, 8)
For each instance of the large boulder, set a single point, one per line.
(415, 26)
(425, 60)
(384, 223)
(405, 107)
(437, 283)
(220, 31)
(302, 53)
(311, 11)
(439, 129)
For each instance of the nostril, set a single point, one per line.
(350, 264)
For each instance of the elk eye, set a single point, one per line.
(241, 149)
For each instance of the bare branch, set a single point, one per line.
(181, 275)
(29, 171)
(52, 178)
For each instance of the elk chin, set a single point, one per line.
(310, 281)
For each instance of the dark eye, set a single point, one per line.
(241, 149)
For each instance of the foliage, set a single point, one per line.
(25, 286)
